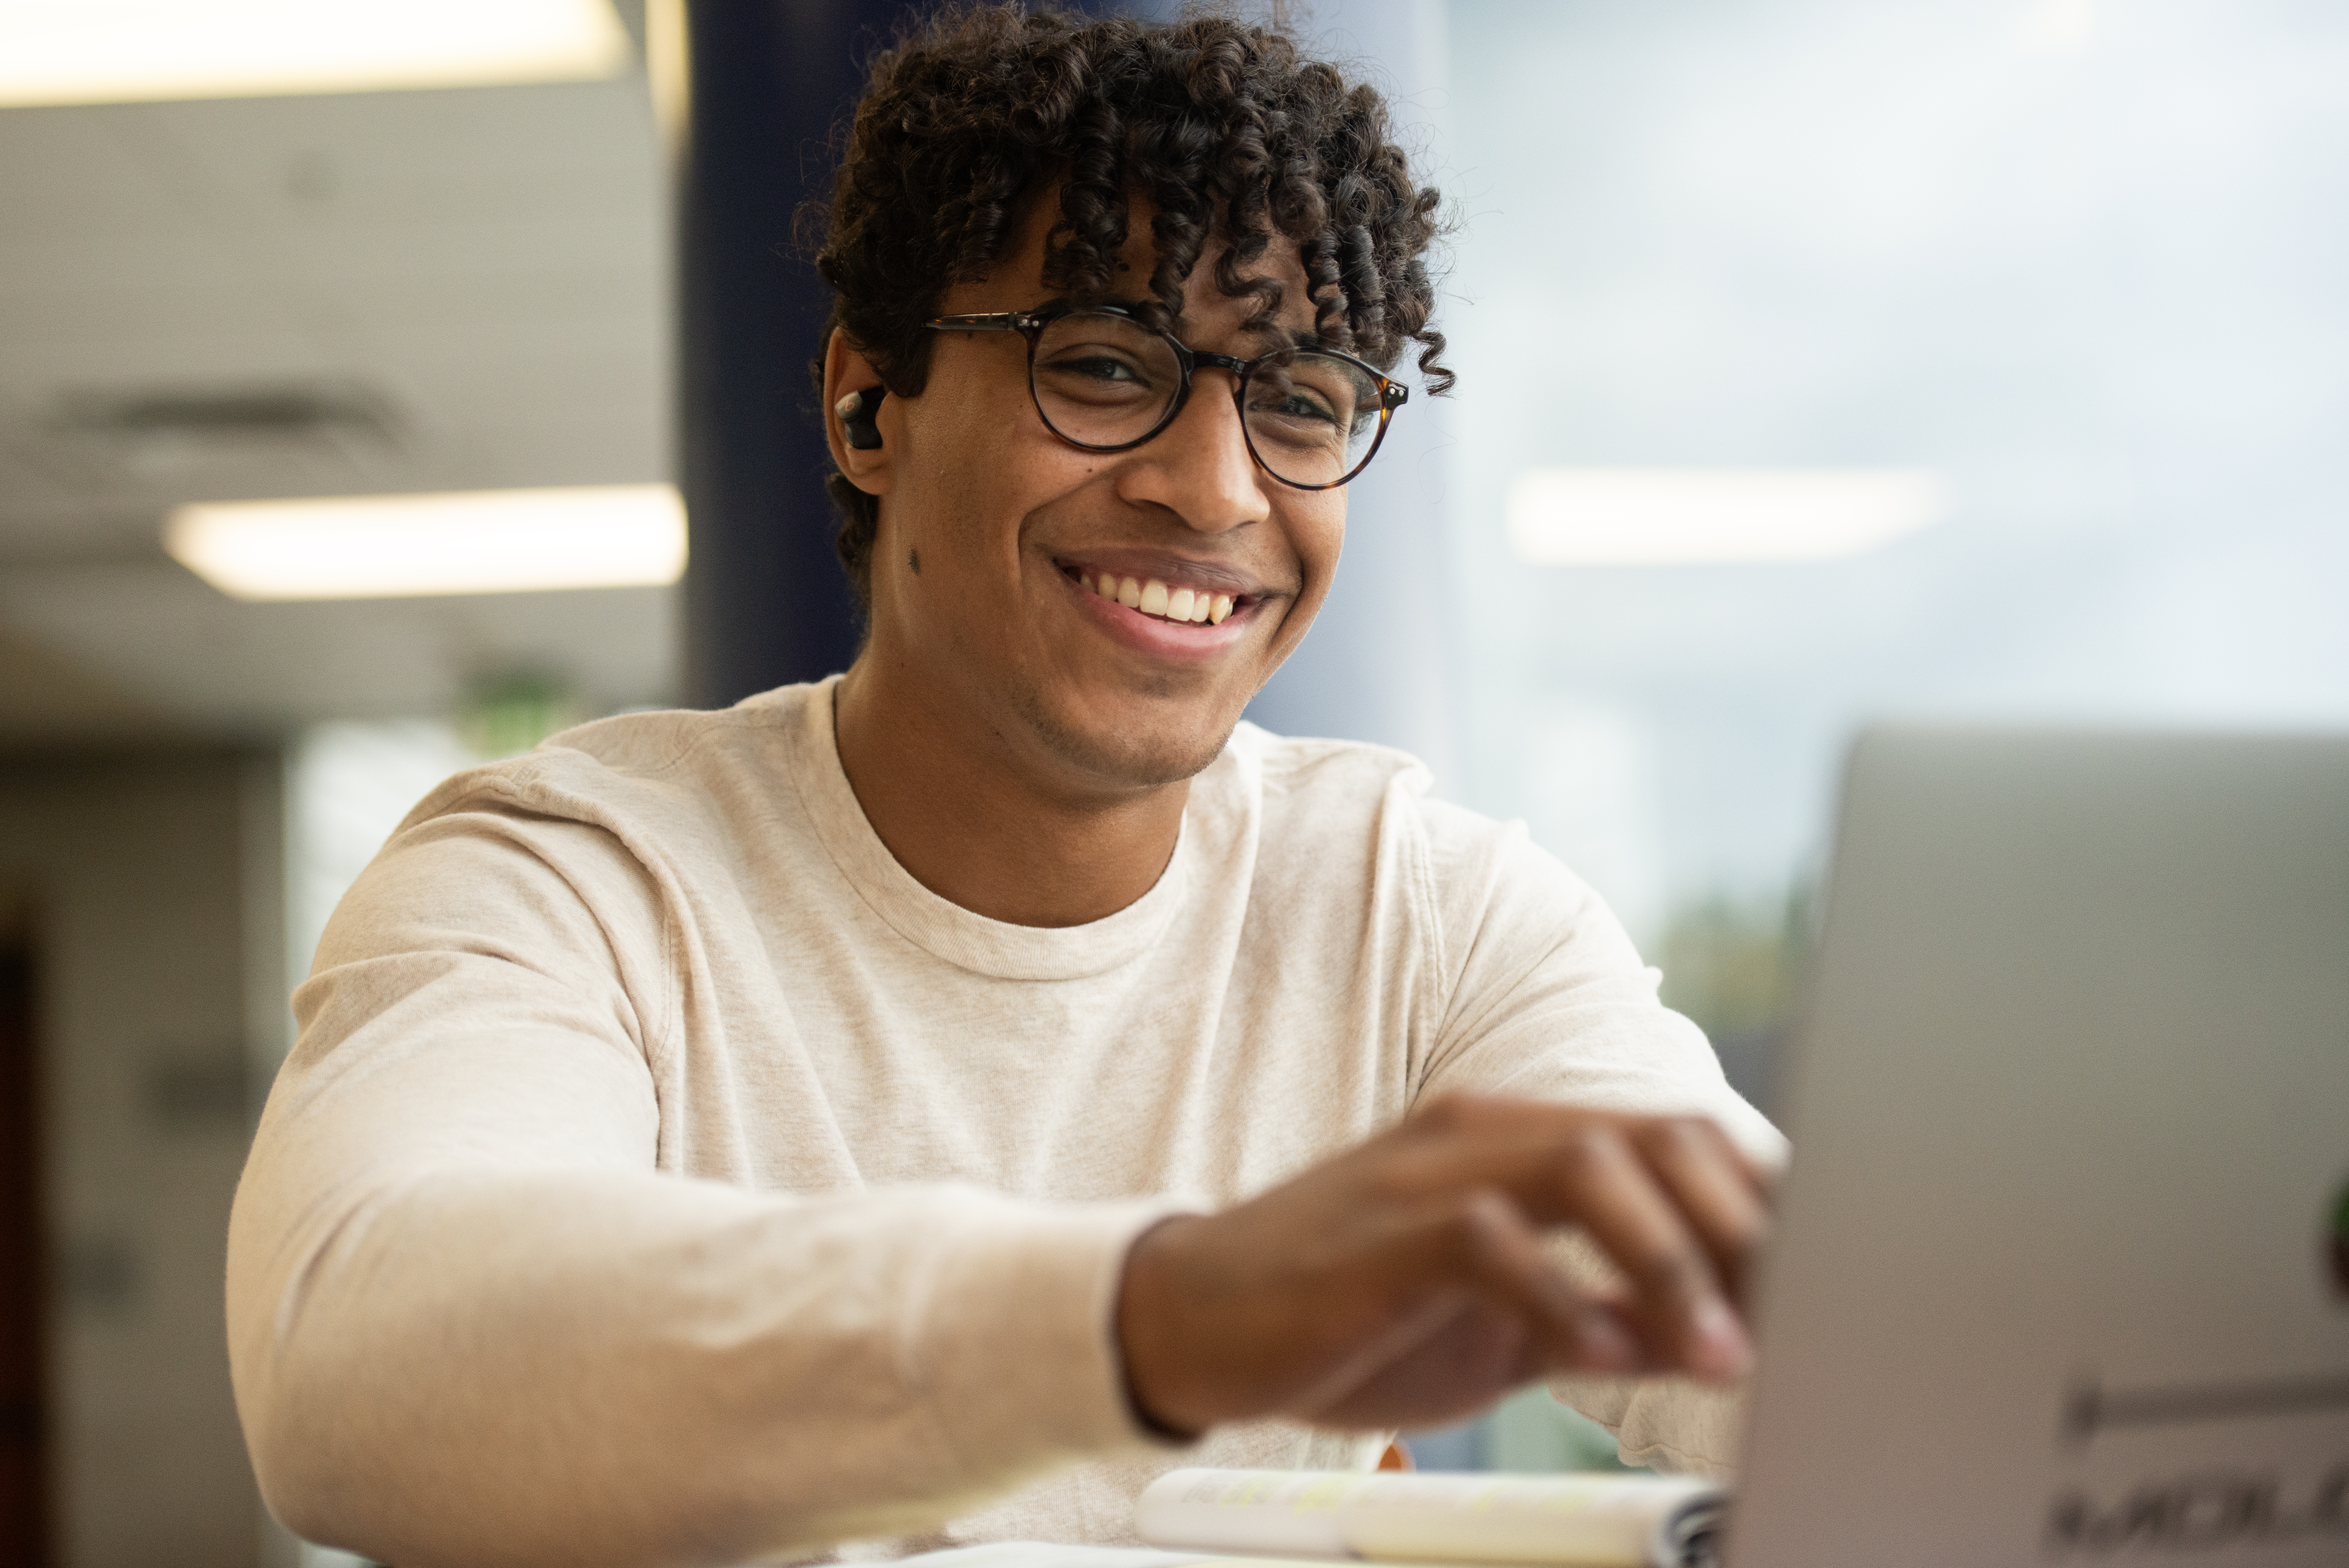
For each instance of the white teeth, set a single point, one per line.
(1154, 597)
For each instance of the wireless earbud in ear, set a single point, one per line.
(856, 422)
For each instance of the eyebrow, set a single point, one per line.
(1295, 339)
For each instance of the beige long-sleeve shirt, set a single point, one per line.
(663, 1175)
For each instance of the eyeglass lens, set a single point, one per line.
(1106, 380)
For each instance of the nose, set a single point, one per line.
(1198, 467)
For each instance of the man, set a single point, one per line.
(920, 1107)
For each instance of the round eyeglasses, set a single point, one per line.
(1104, 380)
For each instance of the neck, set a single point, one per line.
(991, 821)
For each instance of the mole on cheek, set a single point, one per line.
(914, 559)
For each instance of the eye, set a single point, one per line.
(1295, 403)
(1095, 367)
(1096, 370)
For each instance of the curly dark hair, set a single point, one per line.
(1223, 128)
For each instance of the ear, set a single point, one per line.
(867, 462)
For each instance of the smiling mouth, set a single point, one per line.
(1178, 603)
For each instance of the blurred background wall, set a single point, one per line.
(2070, 269)
(139, 899)
(448, 288)
(1818, 360)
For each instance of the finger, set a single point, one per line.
(1569, 1166)
(1505, 1259)
(1463, 1140)
(1676, 1293)
(1512, 1144)
(1714, 1188)
(1414, 1297)
(1477, 1244)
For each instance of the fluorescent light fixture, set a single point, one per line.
(1666, 516)
(120, 51)
(465, 542)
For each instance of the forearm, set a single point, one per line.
(492, 1365)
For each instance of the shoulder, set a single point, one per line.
(644, 813)
(1315, 790)
(1323, 793)
(639, 772)
(610, 828)
(1327, 770)
(1332, 819)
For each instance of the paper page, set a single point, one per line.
(1046, 1554)
(1614, 1521)
(1597, 1521)
(1276, 1512)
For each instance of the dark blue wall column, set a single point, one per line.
(765, 602)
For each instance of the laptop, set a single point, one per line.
(2062, 1269)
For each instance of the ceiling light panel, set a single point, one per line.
(119, 51)
(468, 541)
(1651, 517)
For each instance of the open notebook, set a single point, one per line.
(1225, 1516)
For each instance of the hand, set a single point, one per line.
(1405, 1282)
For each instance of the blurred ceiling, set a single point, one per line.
(396, 291)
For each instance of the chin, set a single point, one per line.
(1164, 755)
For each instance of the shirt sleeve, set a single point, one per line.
(470, 1321)
(1549, 1000)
